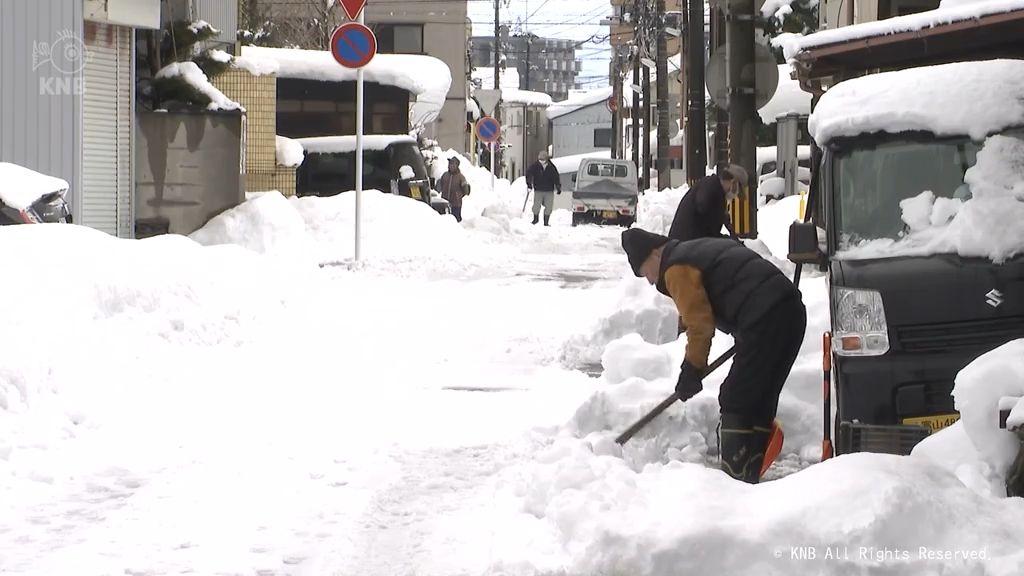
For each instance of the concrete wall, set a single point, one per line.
(446, 32)
(40, 94)
(189, 169)
(573, 133)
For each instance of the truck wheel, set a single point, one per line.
(577, 219)
(627, 221)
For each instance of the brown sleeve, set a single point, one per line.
(686, 287)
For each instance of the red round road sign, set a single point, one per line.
(488, 129)
(612, 106)
(353, 45)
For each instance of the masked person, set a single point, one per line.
(717, 283)
(453, 187)
(544, 179)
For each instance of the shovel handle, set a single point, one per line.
(632, 430)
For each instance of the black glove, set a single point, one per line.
(558, 192)
(689, 381)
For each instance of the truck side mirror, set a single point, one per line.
(803, 244)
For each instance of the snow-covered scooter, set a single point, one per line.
(29, 197)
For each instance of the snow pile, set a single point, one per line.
(987, 225)
(858, 514)
(267, 224)
(425, 77)
(343, 144)
(947, 13)
(656, 210)
(963, 98)
(773, 8)
(191, 73)
(257, 66)
(219, 56)
(405, 172)
(289, 152)
(979, 388)
(20, 187)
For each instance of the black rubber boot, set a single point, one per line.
(546, 220)
(536, 217)
(736, 443)
(758, 447)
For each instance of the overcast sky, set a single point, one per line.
(567, 19)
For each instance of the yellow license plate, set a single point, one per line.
(415, 191)
(933, 423)
(609, 214)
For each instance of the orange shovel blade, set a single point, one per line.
(774, 447)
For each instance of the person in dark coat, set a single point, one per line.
(702, 211)
(453, 187)
(544, 179)
(720, 283)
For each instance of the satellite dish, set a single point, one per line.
(764, 69)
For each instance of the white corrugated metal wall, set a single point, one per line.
(106, 130)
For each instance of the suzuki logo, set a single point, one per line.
(994, 298)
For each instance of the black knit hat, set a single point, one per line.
(639, 244)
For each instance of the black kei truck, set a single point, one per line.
(904, 324)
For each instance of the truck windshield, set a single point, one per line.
(871, 180)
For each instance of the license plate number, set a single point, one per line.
(415, 191)
(933, 423)
(609, 214)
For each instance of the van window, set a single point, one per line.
(603, 170)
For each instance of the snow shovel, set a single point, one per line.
(632, 430)
(771, 452)
(525, 200)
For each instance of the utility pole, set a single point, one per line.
(721, 117)
(646, 135)
(616, 109)
(635, 125)
(742, 102)
(496, 147)
(529, 44)
(696, 128)
(661, 51)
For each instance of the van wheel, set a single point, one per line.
(627, 221)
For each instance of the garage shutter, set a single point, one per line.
(106, 130)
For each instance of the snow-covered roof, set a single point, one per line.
(485, 76)
(525, 97)
(20, 187)
(191, 73)
(962, 98)
(425, 77)
(947, 13)
(289, 152)
(575, 103)
(788, 97)
(341, 144)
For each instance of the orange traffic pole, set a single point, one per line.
(826, 368)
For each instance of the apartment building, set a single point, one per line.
(546, 65)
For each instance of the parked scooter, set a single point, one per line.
(29, 197)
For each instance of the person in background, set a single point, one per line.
(717, 283)
(453, 187)
(702, 212)
(543, 178)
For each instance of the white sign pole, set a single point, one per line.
(492, 165)
(359, 146)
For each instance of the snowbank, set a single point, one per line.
(289, 152)
(425, 77)
(266, 224)
(20, 187)
(947, 13)
(987, 225)
(963, 98)
(191, 73)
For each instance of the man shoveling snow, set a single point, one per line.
(719, 283)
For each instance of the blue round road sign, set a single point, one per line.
(353, 45)
(488, 129)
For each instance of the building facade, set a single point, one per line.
(581, 124)
(837, 13)
(546, 65)
(67, 99)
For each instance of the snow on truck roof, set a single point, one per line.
(425, 77)
(949, 11)
(343, 144)
(974, 99)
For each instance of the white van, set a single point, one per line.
(605, 191)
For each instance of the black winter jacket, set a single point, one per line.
(741, 286)
(543, 179)
(701, 212)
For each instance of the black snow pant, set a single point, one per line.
(765, 353)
